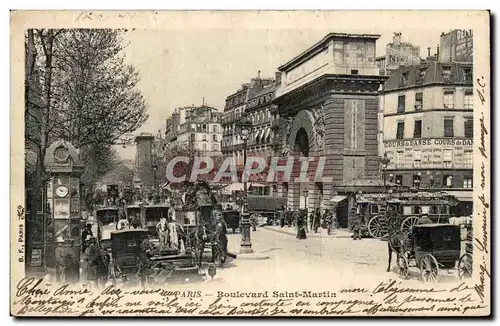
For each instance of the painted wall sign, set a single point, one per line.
(428, 142)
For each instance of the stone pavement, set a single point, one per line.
(322, 233)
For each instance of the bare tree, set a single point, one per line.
(78, 88)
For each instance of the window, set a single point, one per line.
(399, 179)
(446, 73)
(204, 147)
(404, 77)
(214, 137)
(401, 103)
(468, 74)
(373, 209)
(400, 133)
(416, 180)
(407, 210)
(215, 128)
(448, 127)
(468, 159)
(433, 210)
(468, 182)
(417, 210)
(468, 128)
(444, 209)
(417, 129)
(421, 75)
(354, 72)
(400, 156)
(193, 137)
(468, 100)
(447, 181)
(449, 99)
(215, 147)
(417, 160)
(204, 137)
(419, 101)
(447, 158)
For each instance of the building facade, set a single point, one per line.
(456, 46)
(236, 106)
(260, 109)
(196, 129)
(397, 54)
(428, 128)
(328, 104)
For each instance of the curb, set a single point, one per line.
(333, 236)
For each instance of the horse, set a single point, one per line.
(211, 228)
(398, 241)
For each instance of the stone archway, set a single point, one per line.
(302, 143)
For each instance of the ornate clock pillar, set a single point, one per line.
(64, 221)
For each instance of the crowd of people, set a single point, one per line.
(317, 219)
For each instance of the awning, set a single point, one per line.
(257, 185)
(462, 195)
(337, 199)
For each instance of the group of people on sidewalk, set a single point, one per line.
(298, 218)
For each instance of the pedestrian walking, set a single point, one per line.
(356, 227)
(92, 256)
(301, 224)
(317, 220)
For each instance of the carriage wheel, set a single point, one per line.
(375, 227)
(465, 267)
(403, 265)
(408, 224)
(429, 268)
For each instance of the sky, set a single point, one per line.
(180, 67)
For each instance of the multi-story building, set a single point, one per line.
(260, 109)
(328, 104)
(456, 46)
(236, 104)
(428, 128)
(398, 54)
(197, 129)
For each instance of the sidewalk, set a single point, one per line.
(322, 233)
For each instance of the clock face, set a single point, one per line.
(61, 191)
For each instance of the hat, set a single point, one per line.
(60, 239)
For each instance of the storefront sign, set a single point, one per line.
(36, 258)
(428, 142)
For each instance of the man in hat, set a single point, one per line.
(86, 235)
(92, 256)
(60, 260)
(162, 230)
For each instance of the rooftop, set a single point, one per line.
(322, 43)
(429, 73)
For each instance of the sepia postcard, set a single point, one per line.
(250, 163)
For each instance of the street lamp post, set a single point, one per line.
(275, 194)
(308, 222)
(244, 127)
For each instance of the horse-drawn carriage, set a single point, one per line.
(376, 210)
(107, 222)
(265, 209)
(430, 247)
(189, 230)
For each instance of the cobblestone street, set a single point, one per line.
(318, 263)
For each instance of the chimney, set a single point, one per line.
(437, 54)
(396, 39)
(429, 52)
(278, 78)
(258, 74)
